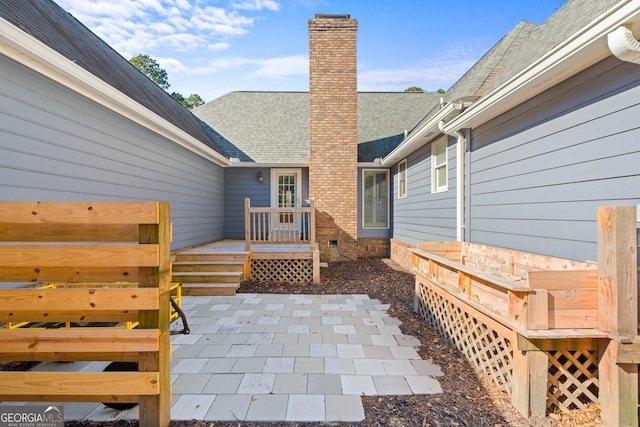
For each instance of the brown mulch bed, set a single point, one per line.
(469, 399)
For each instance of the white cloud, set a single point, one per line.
(256, 5)
(440, 71)
(218, 46)
(150, 26)
(280, 67)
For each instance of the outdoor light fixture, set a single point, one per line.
(260, 177)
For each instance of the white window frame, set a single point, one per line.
(371, 227)
(436, 166)
(402, 179)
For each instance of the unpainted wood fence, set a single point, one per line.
(103, 243)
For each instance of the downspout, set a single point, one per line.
(624, 45)
(460, 179)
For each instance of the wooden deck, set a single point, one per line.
(237, 246)
(218, 268)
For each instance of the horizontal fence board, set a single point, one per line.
(111, 316)
(526, 260)
(71, 274)
(572, 279)
(71, 398)
(70, 357)
(81, 341)
(78, 255)
(87, 299)
(69, 233)
(575, 319)
(63, 384)
(573, 299)
(448, 250)
(79, 212)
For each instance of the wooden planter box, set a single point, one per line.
(527, 291)
(552, 333)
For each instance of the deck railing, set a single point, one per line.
(279, 225)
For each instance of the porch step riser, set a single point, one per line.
(207, 278)
(218, 266)
(204, 289)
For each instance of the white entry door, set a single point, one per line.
(285, 193)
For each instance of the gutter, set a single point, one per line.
(427, 131)
(236, 163)
(30, 52)
(585, 48)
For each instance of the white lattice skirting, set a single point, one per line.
(572, 375)
(282, 270)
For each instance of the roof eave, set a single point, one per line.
(584, 49)
(30, 52)
(235, 163)
(426, 132)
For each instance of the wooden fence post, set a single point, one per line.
(155, 410)
(617, 312)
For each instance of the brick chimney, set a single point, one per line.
(333, 134)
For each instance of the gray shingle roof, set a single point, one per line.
(273, 127)
(60, 31)
(568, 20)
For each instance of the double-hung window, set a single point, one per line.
(439, 166)
(375, 199)
(402, 179)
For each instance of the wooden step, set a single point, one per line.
(209, 289)
(207, 276)
(203, 257)
(208, 266)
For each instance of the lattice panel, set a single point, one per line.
(573, 379)
(572, 376)
(282, 270)
(490, 352)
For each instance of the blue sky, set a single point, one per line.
(212, 47)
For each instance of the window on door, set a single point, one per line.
(285, 193)
(375, 199)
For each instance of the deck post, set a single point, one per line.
(617, 312)
(529, 382)
(247, 224)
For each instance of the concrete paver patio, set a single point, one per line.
(266, 357)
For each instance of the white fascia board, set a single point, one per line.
(585, 48)
(237, 164)
(30, 52)
(371, 165)
(422, 135)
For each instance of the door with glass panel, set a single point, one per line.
(285, 193)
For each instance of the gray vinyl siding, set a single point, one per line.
(56, 145)
(241, 183)
(423, 216)
(369, 233)
(539, 172)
